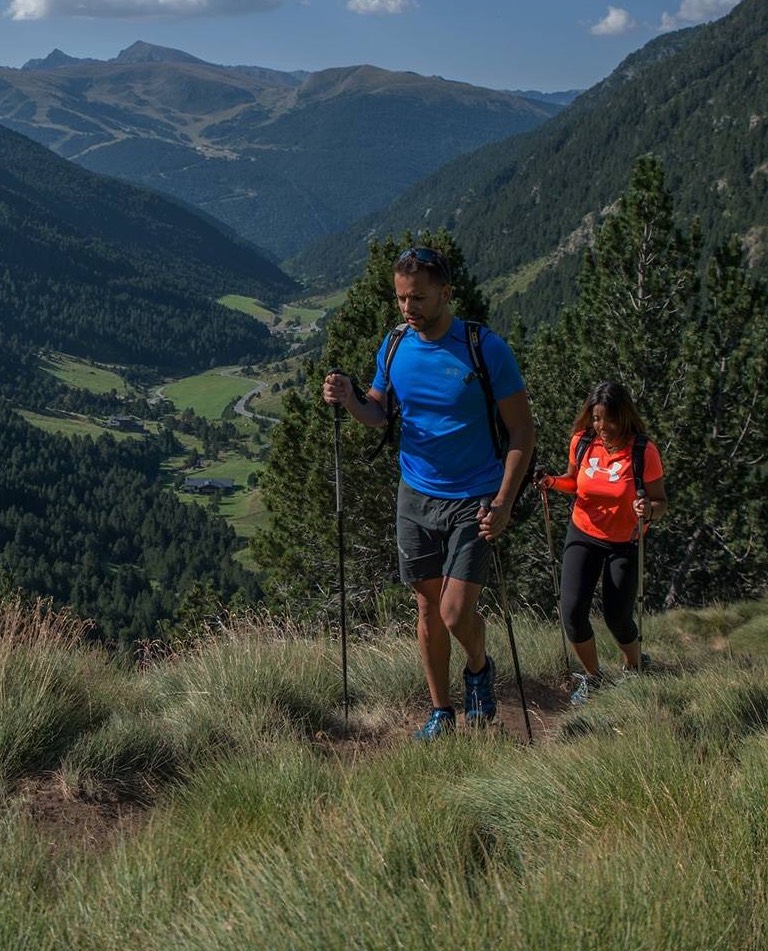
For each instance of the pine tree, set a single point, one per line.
(717, 537)
(637, 293)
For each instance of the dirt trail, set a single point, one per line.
(71, 822)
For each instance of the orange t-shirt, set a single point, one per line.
(605, 489)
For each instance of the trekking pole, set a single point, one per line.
(553, 566)
(508, 619)
(340, 530)
(640, 582)
(504, 604)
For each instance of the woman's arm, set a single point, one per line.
(561, 483)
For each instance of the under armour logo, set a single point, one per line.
(612, 471)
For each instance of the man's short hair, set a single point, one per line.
(424, 259)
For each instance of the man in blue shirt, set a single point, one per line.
(448, 465)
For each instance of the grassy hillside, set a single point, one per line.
(83, 375)
(218, 799)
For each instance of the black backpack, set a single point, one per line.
(498, 430)
(638, 454)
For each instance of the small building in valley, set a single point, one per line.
(208, 486)
(126, 424)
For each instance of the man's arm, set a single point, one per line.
(338, 389)
(515, 412)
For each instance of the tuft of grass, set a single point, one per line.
(717, 624)
(129, 756)
(751, 636)
(47, 698)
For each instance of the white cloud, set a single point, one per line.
(696, 11)
(614, 23)
(380, 6)
(43, 9)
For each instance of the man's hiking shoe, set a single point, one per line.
(645, 666)
(586, 686)
(479, 695)
(440, 723)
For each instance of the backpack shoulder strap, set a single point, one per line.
(638, 460)
(585, 441)
(472, 334)
(393, 342)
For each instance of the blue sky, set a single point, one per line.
(503, 44)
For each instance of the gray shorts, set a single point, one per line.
(437, 538)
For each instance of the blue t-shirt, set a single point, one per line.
(446, 449)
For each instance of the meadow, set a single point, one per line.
(68, 425)
(83, 374)
(219, 798)
(211, 395)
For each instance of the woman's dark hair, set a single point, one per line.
(618, 406)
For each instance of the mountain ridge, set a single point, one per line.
(281, 158)
(696, 97)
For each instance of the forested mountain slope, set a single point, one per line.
(697, 98)
(282, 158)
(102, 269)
(90, 525)
(106, 270)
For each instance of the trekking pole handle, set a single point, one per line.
(485, 503)
(337, 371)
(541, 478)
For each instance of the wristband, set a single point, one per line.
(358, 391)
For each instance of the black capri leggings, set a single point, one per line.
(584, 560)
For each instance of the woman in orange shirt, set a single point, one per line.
(602, 535)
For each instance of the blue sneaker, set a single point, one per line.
(479, 695)
(586, 686)
(439, 724)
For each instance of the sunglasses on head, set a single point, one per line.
(428, 256)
